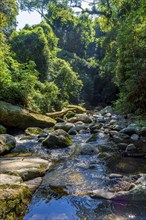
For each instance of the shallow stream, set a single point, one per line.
(65, 192)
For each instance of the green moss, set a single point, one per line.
(13, 201)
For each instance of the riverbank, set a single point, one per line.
(83, 157)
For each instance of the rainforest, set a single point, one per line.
(73, 110)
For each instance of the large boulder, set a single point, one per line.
(13, 201)
(25, 167)
(15, 116)
(58, 139)
(7, 142)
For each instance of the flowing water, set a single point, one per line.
(64, 193)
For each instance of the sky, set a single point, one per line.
(25, 17)
(28, 18)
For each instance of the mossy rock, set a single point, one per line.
(58, 139)
(3, 130)
(15, 116)
(7, 143)
(13, 201)
(34, 131)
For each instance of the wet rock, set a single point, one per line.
(115, 175)
(122, 146)
(95, 127)
(7, 143)
(137, 194)
(143, 131)
(87, 149)
(130, 148)
(107, 109)
(108, 114)
(58, 139)
(77, 128)
(27, 168)
(135, 137)
(114, 217)
(103, 155)
(72, 132)
(3, 130)
(119, 137)
(129, 130)
(34, 131)
(66, 126)
(93, 138)
(81, 117)
(112, 122)
(102, 193)
(142, 180)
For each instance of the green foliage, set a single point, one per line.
(61, 73)
(124, 44)
(37, 43)
(8, 12)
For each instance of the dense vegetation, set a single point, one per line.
(92, 56)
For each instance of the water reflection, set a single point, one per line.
(82, 208)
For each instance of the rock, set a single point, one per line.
(95, 127)
(119, 137)
(58, 139)
(130, 148)
(81, 117)
(3, 130)
(134, 137)
(9, 179)
(129, 130)
(101, 193)
(7, 143)
(137, 194)
(87, 149)
(142, 180)
(77, 128)
(122, 146)
(66, 126)
(143, 131)
(103, 155)
(25, 167)
(115, 175)
(133, 125)
(107, 109)
(15, 116)
(33, 131)
(93, 138)
(114, 217)
(112, 122)
(108, 114)
(72, 132)
(33, 184)
(13, 201)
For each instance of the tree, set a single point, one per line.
(37, 43)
